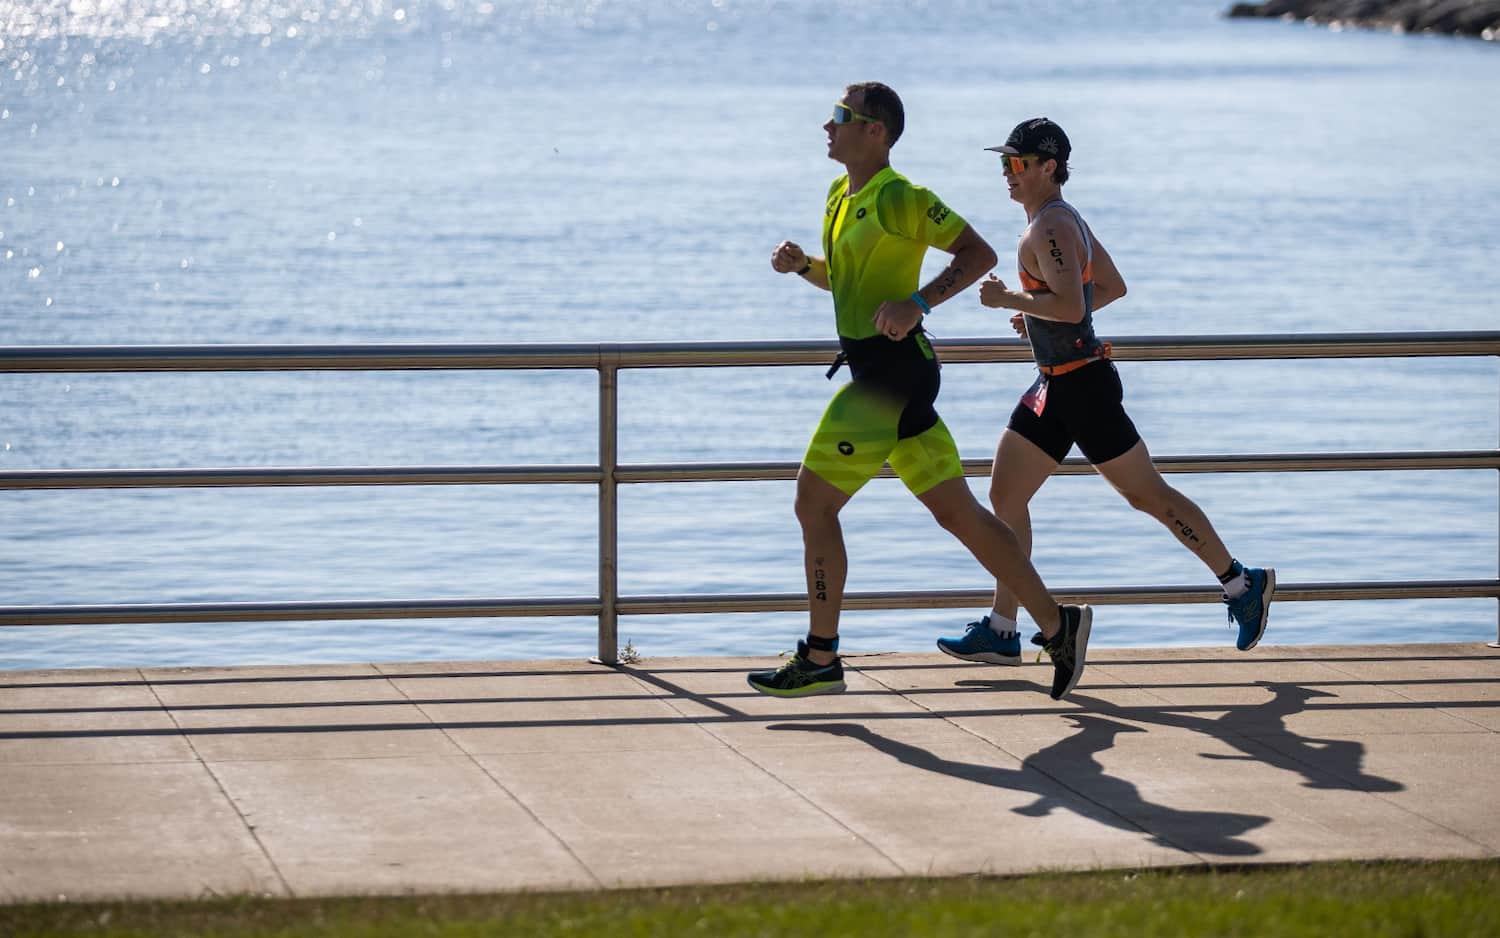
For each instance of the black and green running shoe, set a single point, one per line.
(799, 677)
(1068, 648)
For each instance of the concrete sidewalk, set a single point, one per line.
(553, 775)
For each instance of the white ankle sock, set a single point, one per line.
(1002, 626)
(1236, 587)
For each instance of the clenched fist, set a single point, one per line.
(788, 258)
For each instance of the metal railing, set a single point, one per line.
(608, 474)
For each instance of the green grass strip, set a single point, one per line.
(1371, 900)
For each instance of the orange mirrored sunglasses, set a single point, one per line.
(1016, 165)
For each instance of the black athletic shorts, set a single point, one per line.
(1083, 407)
(908, 371)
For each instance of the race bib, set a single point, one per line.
(1036, 397)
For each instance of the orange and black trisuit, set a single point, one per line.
(1076, 398)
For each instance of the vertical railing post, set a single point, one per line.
(609, 591)
(1496, 642)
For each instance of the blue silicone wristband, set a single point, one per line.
(917, 298)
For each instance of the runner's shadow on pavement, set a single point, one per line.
(1067, 776)
(1260, 732)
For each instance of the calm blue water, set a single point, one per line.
(185, 171)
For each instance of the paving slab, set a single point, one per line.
(308, 712)
(943, 801)
(405, 825)
(644, 818)
(502, 775)
(63, 717)
(1446, 779)
(574, 707)
(134, 829)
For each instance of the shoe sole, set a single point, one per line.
(984, 657)
(809, 690)
(1265, 607)
(1080, 649)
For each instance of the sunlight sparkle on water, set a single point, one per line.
(150, 21)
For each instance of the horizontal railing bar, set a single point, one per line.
(1129, 595)
(136, 358)
(294, 611)
(293, 476)
(1283, 462)
(1245, 347)
(714, 603)
(82, 358)
(1313, 462)
(679, 472)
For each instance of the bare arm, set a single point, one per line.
(1109, 285)
(789, 258)
(1056, 249)
(972, 257)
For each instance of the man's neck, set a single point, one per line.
(1033, 206)
(861, 173)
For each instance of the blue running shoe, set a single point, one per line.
(1249, 609)
(799, 677)
(980, 643)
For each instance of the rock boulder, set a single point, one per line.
(1479, 18)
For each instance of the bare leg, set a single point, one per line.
(1020, 469)
(994, 545)
(1134, 476)
(823, 555)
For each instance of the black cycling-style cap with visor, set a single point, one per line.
(1039, 136)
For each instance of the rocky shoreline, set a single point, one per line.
(1477, 18)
